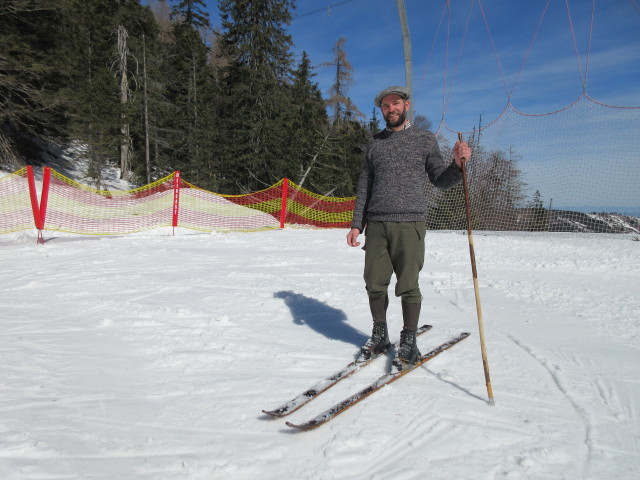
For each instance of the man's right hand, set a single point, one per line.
(352, 237)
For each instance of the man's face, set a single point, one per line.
(394, 110)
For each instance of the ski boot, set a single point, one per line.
(407, 354)
(379, 341)
(377, 344)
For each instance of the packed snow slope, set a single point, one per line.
(151, 357)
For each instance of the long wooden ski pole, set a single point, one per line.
(485, 362)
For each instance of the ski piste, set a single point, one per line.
(384, 380)
(324, 385)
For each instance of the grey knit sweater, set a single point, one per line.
(394, 171)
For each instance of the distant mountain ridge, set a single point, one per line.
(570, 221)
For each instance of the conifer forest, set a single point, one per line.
(151, 88)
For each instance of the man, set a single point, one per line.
(391, 204)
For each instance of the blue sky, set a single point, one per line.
(464, 68)
(476, 84)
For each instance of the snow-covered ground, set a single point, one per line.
(151, 356)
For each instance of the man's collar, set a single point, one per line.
(405, 125)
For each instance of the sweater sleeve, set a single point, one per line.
(363, 194)
(442, 174)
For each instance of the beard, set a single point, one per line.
(399, 121)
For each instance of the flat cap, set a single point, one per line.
(396, 89)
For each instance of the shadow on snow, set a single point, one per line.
(326, 320)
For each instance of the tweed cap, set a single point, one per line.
(396, 89)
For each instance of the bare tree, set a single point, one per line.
(125, 140)
(342, 106)
(145, 100)
(422, 123)
(496, 181)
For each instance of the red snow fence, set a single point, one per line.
(58, 203)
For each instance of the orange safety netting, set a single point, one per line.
(308, 208)
(76, 208)
(15, 205)
(67, 206)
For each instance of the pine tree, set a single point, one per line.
(191, 13)
(538, 216)
(348, 134)
(92, 88)
(308, 124)
(150, 101)
(104, 100)
(256, 81)
(374, 122)
(31, 105)
(134, 24)
(191, 126)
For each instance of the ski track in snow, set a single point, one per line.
(151, 356)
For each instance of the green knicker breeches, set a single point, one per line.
(394, 247)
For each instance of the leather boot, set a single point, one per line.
(379, 341)
(407, 353)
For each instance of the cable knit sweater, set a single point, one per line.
(394, 171)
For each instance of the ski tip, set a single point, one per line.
(272, 413)
(304, 426)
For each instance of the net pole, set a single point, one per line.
(474, 271)
(406, 44)
(283, 208)
(176, 200)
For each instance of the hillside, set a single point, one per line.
(568, 221)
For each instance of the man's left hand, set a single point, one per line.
(461, 153)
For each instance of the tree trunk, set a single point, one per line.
(196, 133)
(125, 141)
(147, 153)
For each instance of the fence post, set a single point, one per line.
(176, 199)
(35, 208)
(283, 210)
(38, 213)
(46, 181)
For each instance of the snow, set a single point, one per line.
(151, 356)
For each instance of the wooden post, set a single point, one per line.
(476, 289)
